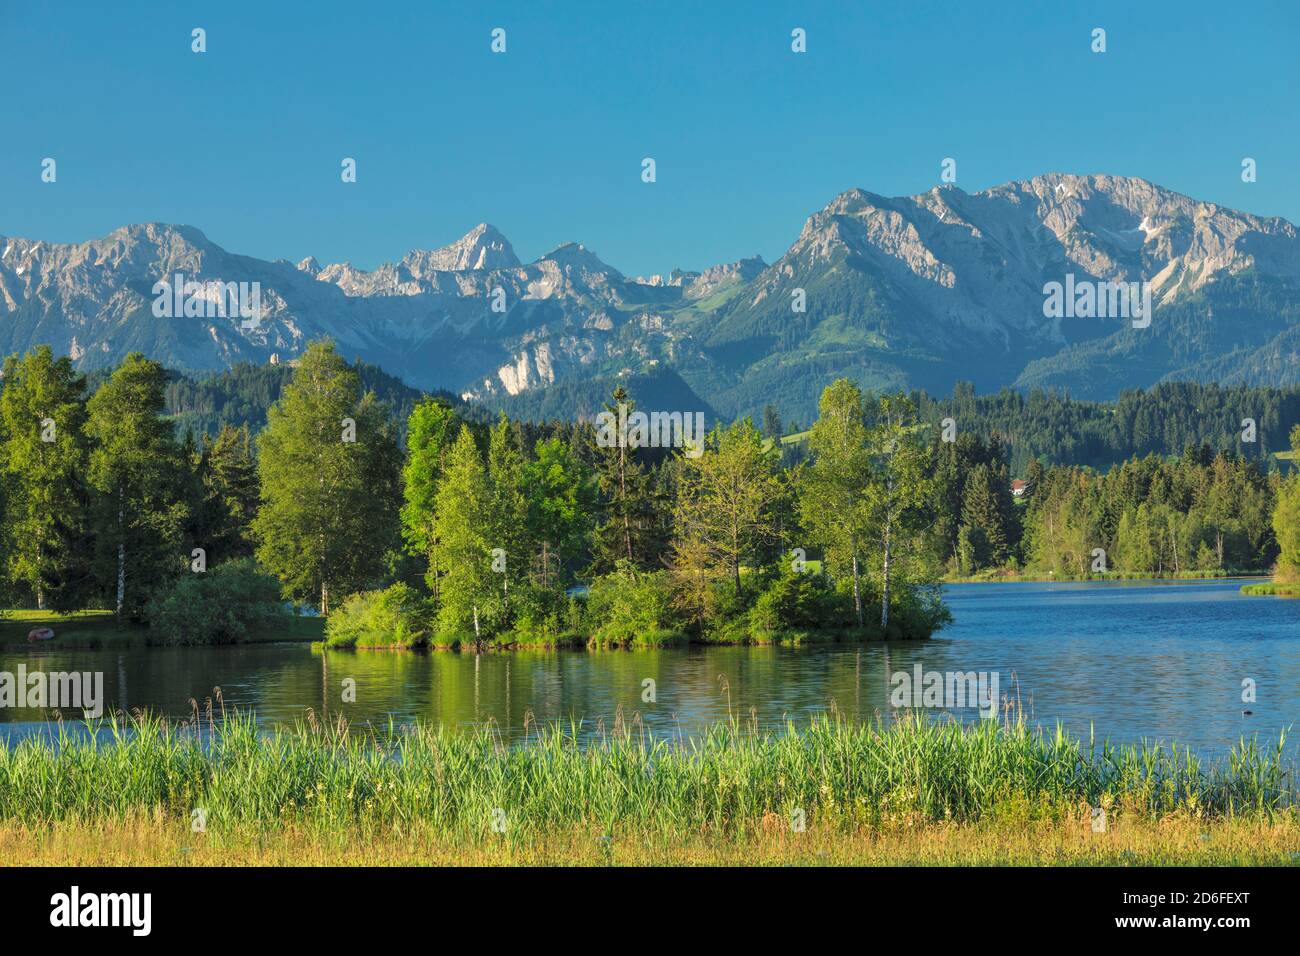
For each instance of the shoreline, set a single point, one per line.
(1272, 589)
(829, 791)
(677, 641)
(1018, 578)
(1128, 841)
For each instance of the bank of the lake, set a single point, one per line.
(958, 793)
(1019, 576)
(96, 629)
(1128, 841)
(1272, 588)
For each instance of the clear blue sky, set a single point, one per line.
(546, 141)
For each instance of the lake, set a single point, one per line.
(1154, 660)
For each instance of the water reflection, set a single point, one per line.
(1162, 660)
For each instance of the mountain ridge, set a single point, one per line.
(910, 291)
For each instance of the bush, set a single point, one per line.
(915, 613)
(540, 617)
(222, 606)
(797, 602)
(628, 607)
(394, 617)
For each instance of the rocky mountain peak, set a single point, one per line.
(482, 248)
(575, 257)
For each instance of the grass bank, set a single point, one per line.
(919, 790)
(1180, 840)
(1274, 588)
(90, 630)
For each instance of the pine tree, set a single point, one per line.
(228, 495)
(628, 530)
(772, 423)
(508, 523)
(981, 510)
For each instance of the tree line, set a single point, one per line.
(1164, 420)
(1204, 512)
(512, 532)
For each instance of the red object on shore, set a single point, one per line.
(40, 634)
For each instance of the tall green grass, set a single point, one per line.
(730, 780)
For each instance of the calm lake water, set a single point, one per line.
(1134, 660)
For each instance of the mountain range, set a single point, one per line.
(919, 291)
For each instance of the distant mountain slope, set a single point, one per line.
(657, 389)
(917, 292)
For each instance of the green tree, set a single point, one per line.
(463, 502)
(981, 510)
(429, 436)
(136, 467)
(229, 493)
(43, 455)
(559, 502)
(628, 530)
(726, 503)
(772, 422)
(508, 523)
(1286, 521)
(834, 503)
(330, 470)
(898, 488)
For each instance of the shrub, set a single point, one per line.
(626, 606)
(915, 613)
(394, 617)
(540, 616)
(796, 602)
(222, 606)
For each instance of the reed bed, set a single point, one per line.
(831, 774)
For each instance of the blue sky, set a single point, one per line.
(546, 141)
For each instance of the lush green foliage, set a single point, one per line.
(137, 468)
(397, 616)
(330, 473)
(43, 459)
(221, 606)
(631, 608)
(241, 396)
(488, 534)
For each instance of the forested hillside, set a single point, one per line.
(1164, 420)
(240, 396)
